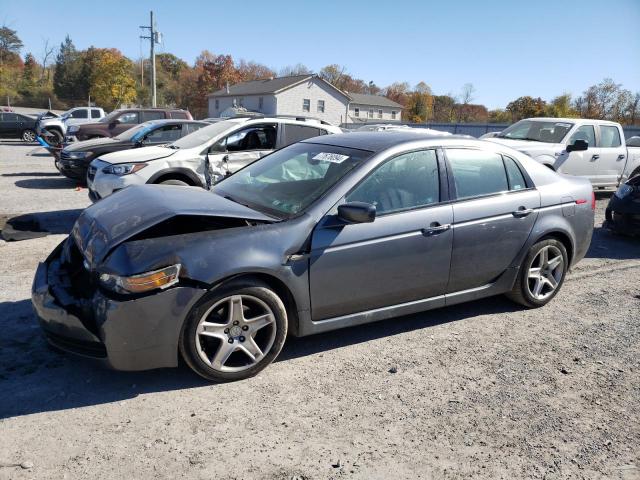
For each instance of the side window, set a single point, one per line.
(476, 172)
(586, 133)
(166, 134)
(95, 113)
(356, 112)
(306, 105)
(10, 117)
(514, 175)
(609, 136)
(152, 115)
(80, 114)
(296, 133)
(408, 181)
(257, 137)
(321, 106)
(129, 118)
(180, 114)
(188, 128)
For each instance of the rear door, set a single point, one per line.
(81, 115)
(9, 125)
(494, 211)
(613, 155)
(291, 133)
(3, 125)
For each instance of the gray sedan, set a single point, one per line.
(335, 231)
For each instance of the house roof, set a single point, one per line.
(257, 87)
(376, 100)
(276, 85)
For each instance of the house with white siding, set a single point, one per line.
(303, 95)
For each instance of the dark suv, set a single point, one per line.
(120, 120)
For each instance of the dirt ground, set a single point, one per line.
(480, 390)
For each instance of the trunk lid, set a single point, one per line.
(125, 214)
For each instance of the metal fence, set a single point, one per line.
(477, 129)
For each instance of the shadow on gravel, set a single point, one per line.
(34, 378)
(605, 244)
(48, 183)
(41, 224)
(32, 174)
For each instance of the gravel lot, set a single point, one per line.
(482, 390)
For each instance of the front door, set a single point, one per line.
(494, 213)
(582, 163)
(402, 256)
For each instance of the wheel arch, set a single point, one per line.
(277, 285)
(176, 173)
(563, 237)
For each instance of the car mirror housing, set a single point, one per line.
(578, 146)
(357, 212)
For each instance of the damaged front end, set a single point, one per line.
(116, 289)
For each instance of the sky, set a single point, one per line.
(504, 48)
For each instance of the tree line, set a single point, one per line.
(67, 77)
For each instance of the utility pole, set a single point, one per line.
(154, 37)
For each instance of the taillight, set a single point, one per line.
(593, 200)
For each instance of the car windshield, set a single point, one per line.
(289, 180)
(537, 131)
(203, 135)
(136, 133)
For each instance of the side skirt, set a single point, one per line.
(502, 284)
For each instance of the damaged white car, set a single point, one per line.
(203, 157)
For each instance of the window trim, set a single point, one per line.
(356, 111)
(380, 113)
(318, 106)
(442, 182)
(453, 194)
(307, 102)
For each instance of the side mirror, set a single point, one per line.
(578, 146)
(357, 212)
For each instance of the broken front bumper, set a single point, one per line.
(125, 334)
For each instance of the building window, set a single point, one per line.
(370, 113)
(356, 112)
(306, 105)
(321, 106)
(217, 104)
(380, 113)
(393, 115)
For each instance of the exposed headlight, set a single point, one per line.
(623, 190)
(78, 155)
(123, 168)
(73, 129)
(143, 282)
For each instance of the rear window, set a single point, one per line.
(609, 136)
(95, 113)
(477, 173)
(179, 114)
(152, 115)
(297, 133)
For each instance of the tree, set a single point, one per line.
(443, 108)
(466, 112)
(254, 71)
(526, 107)
(561, 106)
(68, 79)
(112, 84)
(398, 92)
(47, 51)
(297, 69)
(419, 105)
(29, 79)
(10, 45)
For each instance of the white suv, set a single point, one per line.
(203, 157)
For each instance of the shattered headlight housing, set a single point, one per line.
(143, 282)
(121, 169)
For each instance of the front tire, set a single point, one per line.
(234, 332)
(541, 274)
(55, 140)
(28, 136)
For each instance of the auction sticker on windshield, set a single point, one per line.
(331, 157)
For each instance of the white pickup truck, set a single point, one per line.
(594, 149)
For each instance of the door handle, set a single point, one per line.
(621, 157)
(595, 157)
(522, 212)
(435, 228)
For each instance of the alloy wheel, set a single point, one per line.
(545, 272)
(235, 333)
(28, 136)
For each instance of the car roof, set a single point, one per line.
(379, 141)
(161, 121)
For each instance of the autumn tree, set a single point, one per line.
(526, 107)
(10, 45)
(67, 74)
(444, 107)
(297, 69)
(561, 106)
(29, 79)
(248, 71)
(111, 82)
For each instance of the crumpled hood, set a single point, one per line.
(525, 145)
(88, 144)
(143, 154)
(113, 220)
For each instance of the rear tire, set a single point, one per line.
(234, 332)
(174, 182)
(29, 136)
(541, 274)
